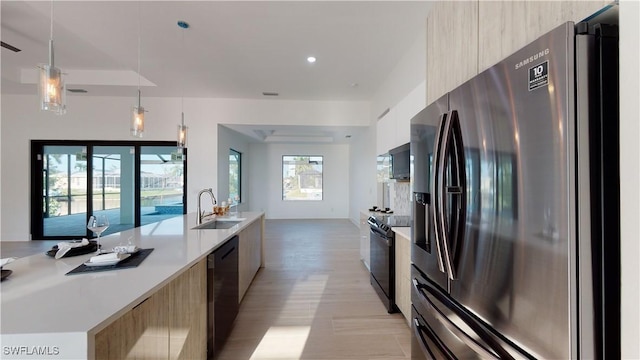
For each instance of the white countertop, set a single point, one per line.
(404, 232)
(38, 301)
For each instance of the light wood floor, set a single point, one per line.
(313, 300)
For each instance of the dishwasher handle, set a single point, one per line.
(228, 253)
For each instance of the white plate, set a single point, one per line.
(108, 263)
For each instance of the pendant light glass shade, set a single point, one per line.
(137, 119)
(182, 134)
(51, 88)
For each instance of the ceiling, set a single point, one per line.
(233, 49)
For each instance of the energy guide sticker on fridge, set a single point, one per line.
(539, 75)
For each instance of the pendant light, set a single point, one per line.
(51, 86)
(137, 116)
(182, 128)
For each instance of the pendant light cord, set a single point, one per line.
(183, 72)
(51, 30)
(51, 38)
(139, 41)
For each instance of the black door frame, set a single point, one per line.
(36, 201)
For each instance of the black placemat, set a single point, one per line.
(132, 261)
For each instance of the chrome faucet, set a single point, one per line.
(202, 213)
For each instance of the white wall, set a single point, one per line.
(406, 81)
(630, 176)
(408, 74)
(107, 118)
(362, 157)
(265, 182)
(229, 139)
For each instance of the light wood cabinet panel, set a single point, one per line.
(187, 318)
(543, 16)
(521, 22)
(170, 324)
(465, 38)
(403, 276)
(452, 46)
(141, 333)
(498, 39)
(249, 256)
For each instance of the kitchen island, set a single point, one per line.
(46, 314)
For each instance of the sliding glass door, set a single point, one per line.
(133, 183)
(113, 186)
(64, 190)
(161, 183)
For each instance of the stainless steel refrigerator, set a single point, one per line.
(516, 206)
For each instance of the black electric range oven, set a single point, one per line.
(382, 251)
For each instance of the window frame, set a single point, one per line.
(37, 183)
(284, 199)
(233, 152)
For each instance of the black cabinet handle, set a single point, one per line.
(228, 253)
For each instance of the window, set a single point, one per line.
(301, 177)
(133, 183)
(235, 174)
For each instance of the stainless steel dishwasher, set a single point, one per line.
(222, 295)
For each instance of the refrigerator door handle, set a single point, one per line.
(419, 330)
(436, 189)
(458, 190)
(452, 230)
(484, 351)
(441, 198)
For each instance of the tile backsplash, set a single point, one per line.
(400, 197)
(397, 196)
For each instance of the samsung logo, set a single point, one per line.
(532, 58)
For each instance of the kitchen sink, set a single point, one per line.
(218, 224)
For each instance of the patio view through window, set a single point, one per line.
(301, 177)
(235, 162)
(133, 183)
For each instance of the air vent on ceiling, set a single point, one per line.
(77, 91)
(10, 47)
(267, 93)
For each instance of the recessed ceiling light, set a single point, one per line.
(353, 85)
(311, 59)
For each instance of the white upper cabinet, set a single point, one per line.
(393, 129)
(407, 109)
(386, 132)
